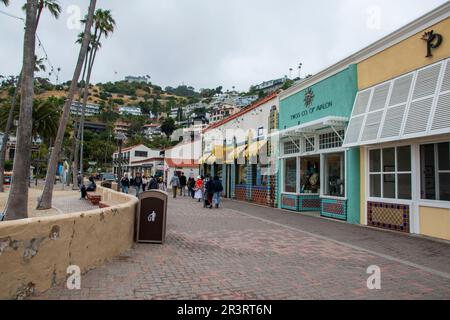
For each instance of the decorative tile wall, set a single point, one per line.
(309, 203)
(388, 216)
(335, 209)
(289, 202)
(240, 192)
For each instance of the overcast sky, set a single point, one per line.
(207, 43)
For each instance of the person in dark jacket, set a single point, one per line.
(125, 183)
(153, 184)
(90, 188)
(218, 188)
(137, 183)
(209, 187)
(191, 187)
(183, 183)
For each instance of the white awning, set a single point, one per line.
(413, 105)
(314, 126)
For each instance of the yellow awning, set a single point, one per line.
(203, 158)
(255, 148)
(236, 152)
(211, 159)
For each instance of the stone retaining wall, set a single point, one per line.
(35, 253)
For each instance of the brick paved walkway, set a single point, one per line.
(249, 252)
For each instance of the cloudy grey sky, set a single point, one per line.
(207, 43)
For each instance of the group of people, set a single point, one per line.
(140, 183)
(203, 188)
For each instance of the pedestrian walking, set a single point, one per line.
(199, 189)
(191, 187)
(210, 189)
(153, 184)
(144, 183)
(175, 184)
(218, 188)
(125, 183)
(137, 183)
(183, 184)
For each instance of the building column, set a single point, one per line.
(249, 183)
(233, 181)
(353, 185)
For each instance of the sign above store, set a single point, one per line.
(434, 40)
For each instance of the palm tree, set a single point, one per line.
(76, 143)
(17, 205)
(104, 24)
(5, 2)
(45, 117)
(46, 198)
(55, 10)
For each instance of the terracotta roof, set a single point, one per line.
(243, 111)
(147, 160)
(182, 163)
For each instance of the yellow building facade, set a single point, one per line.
(401, 121)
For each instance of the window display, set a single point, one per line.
(335, 175)
(290, 175)
(310, 175)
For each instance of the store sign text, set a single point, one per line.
(312, 110)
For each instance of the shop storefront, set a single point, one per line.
(401, 122)
(238, 150)
(317, 172)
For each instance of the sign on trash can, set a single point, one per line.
(151, 217)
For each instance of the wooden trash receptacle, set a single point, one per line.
(152, 217)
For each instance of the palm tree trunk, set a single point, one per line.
(17, 205)
(45, 201)
(9, 125)
(78, 133)
(85, 98)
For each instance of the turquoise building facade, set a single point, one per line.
(317, 173)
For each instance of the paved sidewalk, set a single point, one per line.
(249, 252)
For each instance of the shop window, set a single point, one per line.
(240, 175)
(435, 171)
(292, 147)
(310, 144)
(331, 140)
(390, 173)
(335, 175)
(254, 174)
(265, 175)
(310, 175)
(290, 175)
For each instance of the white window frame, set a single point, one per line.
(284, 174)
(430, 202)
(395, 172)
(324, 176)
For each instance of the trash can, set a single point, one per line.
(151, 217)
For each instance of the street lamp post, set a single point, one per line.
(120, 137)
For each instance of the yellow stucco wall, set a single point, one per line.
(403, 57)
(435, 222)
(31, 260)
(362, 154)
